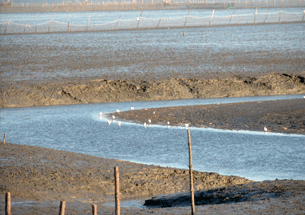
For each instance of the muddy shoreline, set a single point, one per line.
(39, 178)
(283, 116)
(46, 175)
(94, 90)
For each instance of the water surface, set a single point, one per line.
(78, 128)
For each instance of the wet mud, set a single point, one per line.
(283, 116)
(82, 91)
(46, 175)
(39, 178)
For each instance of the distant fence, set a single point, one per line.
(53, 26)
(110, 5)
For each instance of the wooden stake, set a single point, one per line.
(4, 138)
(26, 25)
(94, 209)
(159, 22)
(212, 17)
(117, 190)
(187, 17)
(50, 25)
(117, 23)
(88, 23)
(191, 172)
(7, 26)
(62, 208)
(139, 19)
(8, 203)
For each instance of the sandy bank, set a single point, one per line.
(76, 91)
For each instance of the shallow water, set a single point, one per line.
(78, 128)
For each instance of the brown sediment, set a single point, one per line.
(41, 174)
(75, 91)
(39, 178)
(284, 116)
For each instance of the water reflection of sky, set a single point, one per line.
(78, 128)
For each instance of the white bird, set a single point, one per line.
(186, 125)
(119, 124)
(113, 116)
(149, 120)
(265, 129)
(168, 122)
(154, 112)
(118, 111)
(131, 108)
(101, 113)
(109, 122)
(144, 124)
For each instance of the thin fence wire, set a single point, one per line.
(53, 25)
(98, 5)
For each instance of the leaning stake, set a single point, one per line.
(117, 190)
(62, 208)
(191, 172)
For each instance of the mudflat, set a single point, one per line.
(39, 178)
(149, 88)
(284, 116)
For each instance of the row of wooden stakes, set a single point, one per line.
(62, 207)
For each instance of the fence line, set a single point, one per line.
(54, 26)
(147, 5)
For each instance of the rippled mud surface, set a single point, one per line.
(154, 53)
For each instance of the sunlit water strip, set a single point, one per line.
(78, 128)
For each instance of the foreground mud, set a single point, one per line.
(41, 174)
(284, 116)
(76, 91)
(40, 178)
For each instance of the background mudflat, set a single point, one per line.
(284, 116)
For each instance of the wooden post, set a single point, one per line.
(255, 15)
(212, 17)
(88, 23)
(50, 25)
(8, 203)
(139, 19)
(161, 19)
(26, 25)
(117, 190)
(280, 15)
(94, 209)
(191, 172)
(266, 17)
(62, 208)
(7, 26)
(231, 18)
(69, 22)
(187, 17)
(117, 22)
(4, 136)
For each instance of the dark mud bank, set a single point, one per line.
(26, 94)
